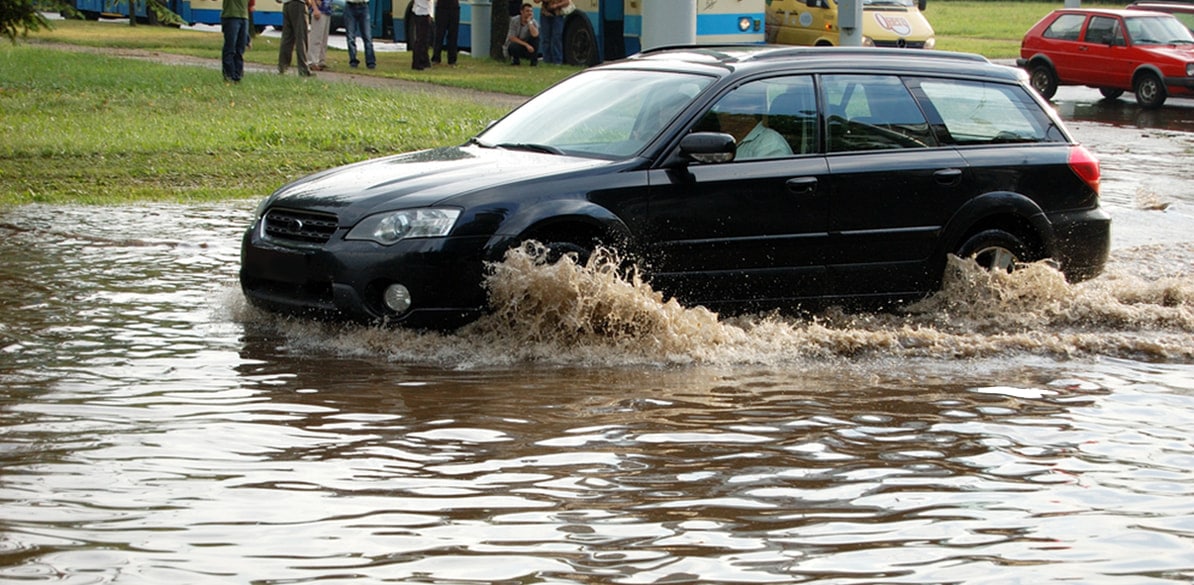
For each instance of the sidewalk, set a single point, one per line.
(335, 40)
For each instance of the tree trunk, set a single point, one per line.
(499, 26)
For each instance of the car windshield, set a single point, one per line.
(1157, 30)
(603, 113)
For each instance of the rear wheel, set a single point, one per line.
(996, 250)
(1150, 91)
(1044, 80)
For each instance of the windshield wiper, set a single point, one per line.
(530, 146)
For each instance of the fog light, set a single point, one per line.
(397, 298)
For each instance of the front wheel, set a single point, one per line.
(1111, 93)
(996, 250)
(1150, 91)
(1044, 80)
(557, 250)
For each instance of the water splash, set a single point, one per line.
(567, 305)
(601, 313)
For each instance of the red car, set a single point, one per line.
(1149, 53)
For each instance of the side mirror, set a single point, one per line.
(921, 4)
(708, 147)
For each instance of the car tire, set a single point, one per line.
(557, 250)
(1044, 80)
(1150, 91)
(1111, 93)
(996, 249)
(580, 42)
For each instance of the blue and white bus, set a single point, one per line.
(604, 30)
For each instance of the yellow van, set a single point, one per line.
(885, 23)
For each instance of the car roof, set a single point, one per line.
(1162, 6)
(1122, 12)
(724, 60)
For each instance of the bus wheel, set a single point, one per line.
(580, 44)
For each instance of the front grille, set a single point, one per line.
(900, 44)
(298, 227)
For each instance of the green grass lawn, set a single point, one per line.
(78, 127)
(483, 74)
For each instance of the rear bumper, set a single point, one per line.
(1081, 243)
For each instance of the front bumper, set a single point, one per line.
(345, 279)
(1180, 85)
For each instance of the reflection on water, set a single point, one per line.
(1086, 105)
(154, 429)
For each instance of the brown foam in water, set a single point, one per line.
(602, 314)
(567, 305)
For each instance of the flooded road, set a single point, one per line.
(154, 429)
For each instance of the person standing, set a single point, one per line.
(294, 35)
(522, 39)
(317, 40)
(234, 23)
(421, 15)
(551, 20)
(447, 30)
(357, 24)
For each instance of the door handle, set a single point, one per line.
(948, 176)
(802, 185)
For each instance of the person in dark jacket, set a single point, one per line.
(421, 14)
(447, 30)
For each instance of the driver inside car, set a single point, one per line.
(740, 114)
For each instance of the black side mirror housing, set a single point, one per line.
(708, 147)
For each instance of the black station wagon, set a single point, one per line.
(739, 178)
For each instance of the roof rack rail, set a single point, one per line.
(780, 51)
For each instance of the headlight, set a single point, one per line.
(930, 42)
(394, 226)
(1189, 69)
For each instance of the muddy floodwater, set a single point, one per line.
(1012, 429)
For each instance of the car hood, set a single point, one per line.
(1176, 52)
(420, 179)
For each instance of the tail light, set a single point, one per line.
(1086, 166)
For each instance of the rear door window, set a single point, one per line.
(872, 112)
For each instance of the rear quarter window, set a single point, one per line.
(1067, 27)
(973, 112)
